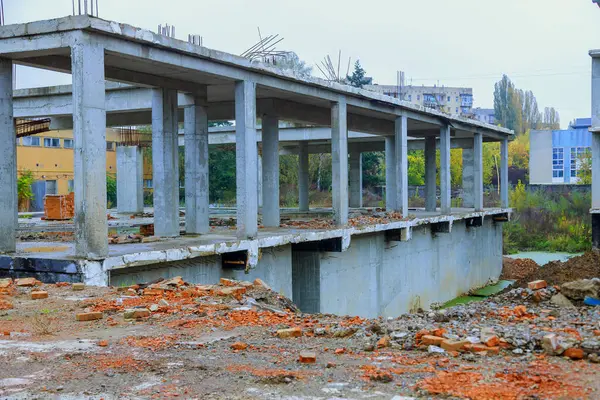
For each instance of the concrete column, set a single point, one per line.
(401, 134)
(595, 135)
(270, 170)
(130, 179)
(246, 159)
(355, 179)
(303, 181)
(390, 173)
(89, 136)
(468, 178)
(596, 170)
(445, 182)
(430, 175)
(504, 172)
(165, 162)
(259, 176)
(8, 161)
(339, 161)
(196, 167)
(478, 171)
(596, 93)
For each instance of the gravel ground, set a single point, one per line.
(225, 342)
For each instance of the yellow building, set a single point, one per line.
(49, 156)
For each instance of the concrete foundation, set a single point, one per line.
(89, 139)
(130, 175)
(165, 162)
(8, 161)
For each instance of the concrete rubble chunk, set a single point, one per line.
(561, 300)
(176, 281)
(89, 316)
(231, 291)
(383, 342)
(163, 303)
(290, 332)
(307, 357)
(136, 313)
(150, 239)
(486, 334)
(435, 349)
(580, 289)
(154, 307)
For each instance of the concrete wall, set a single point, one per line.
(375, 277)
(540, 157)
(274, 267)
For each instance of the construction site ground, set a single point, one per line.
(235, 340)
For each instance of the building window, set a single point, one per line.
(558, 167)
(51, 142)
(457, 110)
(110, 146)
(418, 97)
(410, 97)
(457, 99)
(448, 98)
(31, 141)
(68, 143)
(148, 183)
(70, 186)
(577, 153)
(51, 187)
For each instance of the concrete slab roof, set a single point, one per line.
(141, 57)
(595, 53)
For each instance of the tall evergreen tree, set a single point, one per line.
(358, 78)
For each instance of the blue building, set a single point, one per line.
(555, 156)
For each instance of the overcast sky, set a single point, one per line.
(542, 45)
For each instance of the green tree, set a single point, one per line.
(358, 78)
(416, 168)
(373, 173)
(111, 190)
(584, 172)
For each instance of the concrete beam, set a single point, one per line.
(130, 179)
(303, 181)
(246, 160)
(339, 160)
(196, 167)
(89, 136)
(270, 171)
(401, 135)
(430, 174)
(8, 161)
(390, 173)
(165, 162)
(445, 178)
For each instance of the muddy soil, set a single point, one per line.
(586, 266)
(221, 342)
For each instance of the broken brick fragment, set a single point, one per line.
(228, 282)
(6, 282)
(231, 291)
(431, 340)
(535, 285)
(239, 346)
(574, 353)
(307, 357)
(89, 316)
(26, 282)
(290, 332)
(383, 342)
(103, 343)
(78, 286)
(492, 341)
(340, 351)
(260, 282)
(454, 345)
(153, 292)
(136, 313)
(39, 294)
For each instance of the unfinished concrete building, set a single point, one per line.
(379, 268)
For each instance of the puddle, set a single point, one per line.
(63, 345)
(479, 294)
(45, 249)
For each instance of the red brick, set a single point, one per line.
(340, 351)
(307, 357)
(39, 294)
(492, 341)
(535, 285)
(431, 340)
(26, 282)
(288, 333)
(78, 286)
(574, 353)
(231, 291)
(260, 282)
(4, 283)
(103, 343)
(153, 292)
(454, 345)
(228, 282)
(89, 316)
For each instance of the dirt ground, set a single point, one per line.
(224, 342)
